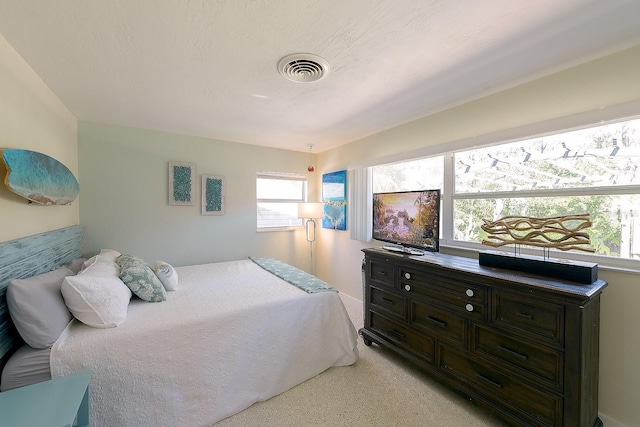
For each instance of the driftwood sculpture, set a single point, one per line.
(562, 232)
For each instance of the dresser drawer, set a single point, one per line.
(542, 362)
(543, 319)
(538, 407)
(387, 302)
(381, 273)
(462, 296)
(437, 321)
(403, 336)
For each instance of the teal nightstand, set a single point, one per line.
(53, 403)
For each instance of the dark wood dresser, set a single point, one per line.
(523, 346)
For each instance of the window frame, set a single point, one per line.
(281, 176)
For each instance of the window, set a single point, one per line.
(278, 195)
(593, 170)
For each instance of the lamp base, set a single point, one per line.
(311, 237)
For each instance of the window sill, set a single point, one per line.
(604, 263)
(270, 229)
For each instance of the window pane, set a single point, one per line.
(601, 156)
(280, 189)
(616, 218)
(421, 174)
(272, 215)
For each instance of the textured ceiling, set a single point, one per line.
(208, 68)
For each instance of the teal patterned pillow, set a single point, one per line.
(139, 277)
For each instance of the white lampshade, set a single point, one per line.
(311, 210)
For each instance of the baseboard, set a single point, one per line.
(610, 422)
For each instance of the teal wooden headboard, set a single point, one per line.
(28, 257)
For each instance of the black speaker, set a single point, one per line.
(575, 271)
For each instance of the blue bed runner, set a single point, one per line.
(298, 278)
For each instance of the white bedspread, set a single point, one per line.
(231, 335)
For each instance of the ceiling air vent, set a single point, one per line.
(303, 67)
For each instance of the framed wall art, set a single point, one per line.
(212, 195)
(182, 183)
(334, 196)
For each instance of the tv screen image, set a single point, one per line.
(407, 218)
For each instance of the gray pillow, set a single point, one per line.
(37, 308)
(76, 265)
(139, 277)
(25, 367)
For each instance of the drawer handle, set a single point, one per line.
(407, 288)
(436, 321)
(512, 353)
(470, 293)
(488, 381)
(524, 315)
(400, 334)
(388, 301)
(383, 273)
(407, 276)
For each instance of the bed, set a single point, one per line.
(229, 335)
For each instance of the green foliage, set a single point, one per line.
(605, 233)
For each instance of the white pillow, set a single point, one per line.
(167, 275)
(101, 266)
(109, 254)
(96, 296)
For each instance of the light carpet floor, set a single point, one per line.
(380, 389)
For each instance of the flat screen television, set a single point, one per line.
(408, 218)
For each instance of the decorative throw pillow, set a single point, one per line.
(37, 308)
(96, 296)
(167, 275)
(139, 277)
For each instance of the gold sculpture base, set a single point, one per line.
(575, 271)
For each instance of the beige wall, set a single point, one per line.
(33, 118)
(603, 89)
(124, 173)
